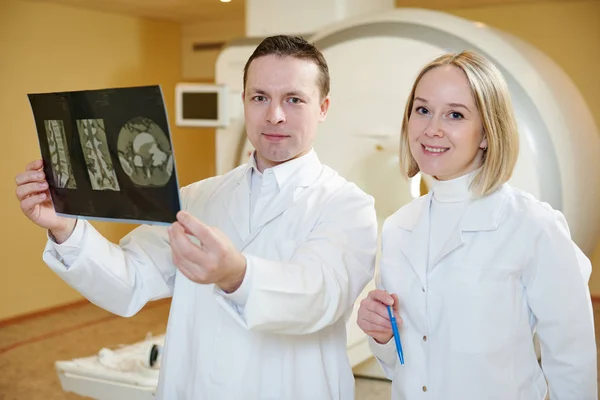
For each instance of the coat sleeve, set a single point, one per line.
(386, 353)
(322, 280)
(556, 286)
(119, 278)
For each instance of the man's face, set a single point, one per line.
(282, 108)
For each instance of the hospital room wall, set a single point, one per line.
(47, 47)
(567, 31)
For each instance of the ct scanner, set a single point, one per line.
(373, 61)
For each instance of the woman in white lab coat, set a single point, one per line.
(475, 267)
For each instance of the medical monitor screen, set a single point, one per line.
(198, 105)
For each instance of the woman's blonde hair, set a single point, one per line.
(494, 105)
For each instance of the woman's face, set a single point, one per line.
(445, 129)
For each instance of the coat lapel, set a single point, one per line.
(415, 219)
(482, 214)
(281, 202)
(238, 207)
(286, 197)
(485, 214)
(454, 241)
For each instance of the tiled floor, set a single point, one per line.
(370, 389)
(28, 349)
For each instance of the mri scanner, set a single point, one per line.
(373, 60)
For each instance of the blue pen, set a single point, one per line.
(396, 335)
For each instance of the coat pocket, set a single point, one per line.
(483, 309)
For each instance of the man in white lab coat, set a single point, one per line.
(282, 246)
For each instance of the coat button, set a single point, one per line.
(424, 338)
(423, 288)
(424, 388)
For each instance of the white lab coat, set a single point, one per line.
(509, 268)
(282, 335)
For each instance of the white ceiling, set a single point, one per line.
(182, 11)
(186, 11)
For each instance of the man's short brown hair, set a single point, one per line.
(293, 46)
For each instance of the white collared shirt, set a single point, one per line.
(264, 186)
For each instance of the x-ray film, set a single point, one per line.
(108, 154)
